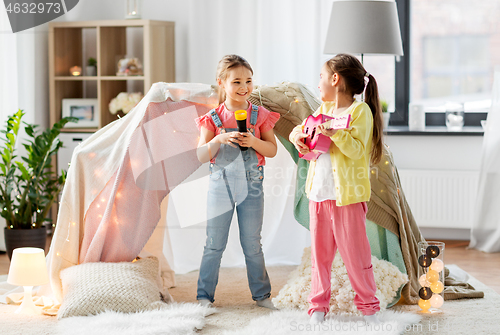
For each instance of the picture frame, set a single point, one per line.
(86, 110)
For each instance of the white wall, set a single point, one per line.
(437, 153)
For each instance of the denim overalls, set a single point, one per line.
(235, 181)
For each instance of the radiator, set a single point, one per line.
(441, 199)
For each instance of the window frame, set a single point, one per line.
(402, 68)
(402, 79)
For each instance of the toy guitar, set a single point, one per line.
(317, 142)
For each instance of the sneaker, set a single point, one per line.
(372, 319)
(266, 303)
(317, 317)
(205, 303)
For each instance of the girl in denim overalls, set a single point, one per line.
(236, 175)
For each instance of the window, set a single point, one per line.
(382, 68)
(453, 66)
(451, 49)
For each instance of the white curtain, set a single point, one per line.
(8, 68)
(485, 233)
(8, 82)
(23, 79)
(282, 39)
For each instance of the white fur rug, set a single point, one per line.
(236, 311)
(176, 318)
(286, 322)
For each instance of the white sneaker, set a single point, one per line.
(205, 303)
(266, 303)
(372, 319)
(317, 317)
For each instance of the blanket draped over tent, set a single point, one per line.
(118, 178)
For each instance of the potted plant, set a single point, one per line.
(91, 67)
(385, 113)
(29, 187)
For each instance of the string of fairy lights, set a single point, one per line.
(431, 280)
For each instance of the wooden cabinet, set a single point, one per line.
(72, 43)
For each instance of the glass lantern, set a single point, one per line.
(133, 9)
(431, 276)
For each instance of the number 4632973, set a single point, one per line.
(34, 8)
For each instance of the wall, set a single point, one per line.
(438, 153)
(430, 152)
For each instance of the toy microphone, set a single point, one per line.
(241, 121)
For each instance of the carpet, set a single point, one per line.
(285, 322)
(236, 310)
(479, 316)
(175, 319)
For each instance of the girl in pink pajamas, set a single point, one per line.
(338, 185)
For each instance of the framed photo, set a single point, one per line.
(85, 110)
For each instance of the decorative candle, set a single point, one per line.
(133, 9)
(75, 70)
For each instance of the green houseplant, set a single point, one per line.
(385, 112)
(28, 187)
(91, 67)
(91, 62)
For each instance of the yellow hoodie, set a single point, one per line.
(349, 152)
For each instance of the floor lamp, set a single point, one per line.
(364, 27)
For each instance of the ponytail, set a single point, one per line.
(373, 101)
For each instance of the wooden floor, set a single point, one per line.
(483, 266)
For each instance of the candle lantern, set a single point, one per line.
(133, 9)
(75, 70)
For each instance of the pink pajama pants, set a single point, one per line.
(344, 228)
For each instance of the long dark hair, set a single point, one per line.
(354, 74)
(225, 64)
